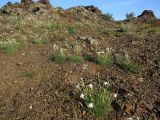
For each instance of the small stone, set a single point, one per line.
(30, 107)
(23, 54)
(141, 79)
(19, 64)
(84, 113)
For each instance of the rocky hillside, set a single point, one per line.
(77, 64)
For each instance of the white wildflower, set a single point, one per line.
(62, 50)
(90, 85)
(108, 49)
(130, 118)
(138, 118)
(55, 47)
(90, 105)
(106, 84)
(82, 96)
(115, 95)
(100, 52)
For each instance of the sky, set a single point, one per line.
(118, 8)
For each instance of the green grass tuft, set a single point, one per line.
(104, 59)
(29, 73)
(71, 30)
(75, 59)
(9, 47)
(39, 42)
(58, 58)
(132, 67)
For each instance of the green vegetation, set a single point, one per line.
(130, 15)
(75, 59)
(40, 41)
(52, 26)
(107, 17)
(104, 59)
(71, 30)
(61, 58)
(129, 66)
(29, 73)
(109, 32)
(10, 46)
(98, 100)
(58, 58)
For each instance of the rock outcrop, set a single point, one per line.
(4, 12)
(26, 1)
(44, 2)
(85, 12)
(147, 16)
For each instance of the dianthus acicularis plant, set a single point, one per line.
(98, 100)
(9, 46)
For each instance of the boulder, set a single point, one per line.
(147, 16)
(26, 1)
(4, 12)
(44, 2)
(93, 9)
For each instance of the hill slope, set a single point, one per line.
(45, 52)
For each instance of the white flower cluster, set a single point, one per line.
(10, 42)
(106, 51)
(58, 48)
(100, 52)
(90, 105)
(107, 84)
(55, 47)
(82, 95)
(90, 86)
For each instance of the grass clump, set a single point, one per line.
(39, 41)
(52, 26)
(58, 58)
(104, 59)
(29, 73)
(132, 67)
(75, 59)
(71, 30)
(98, 100)
(10, 46)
